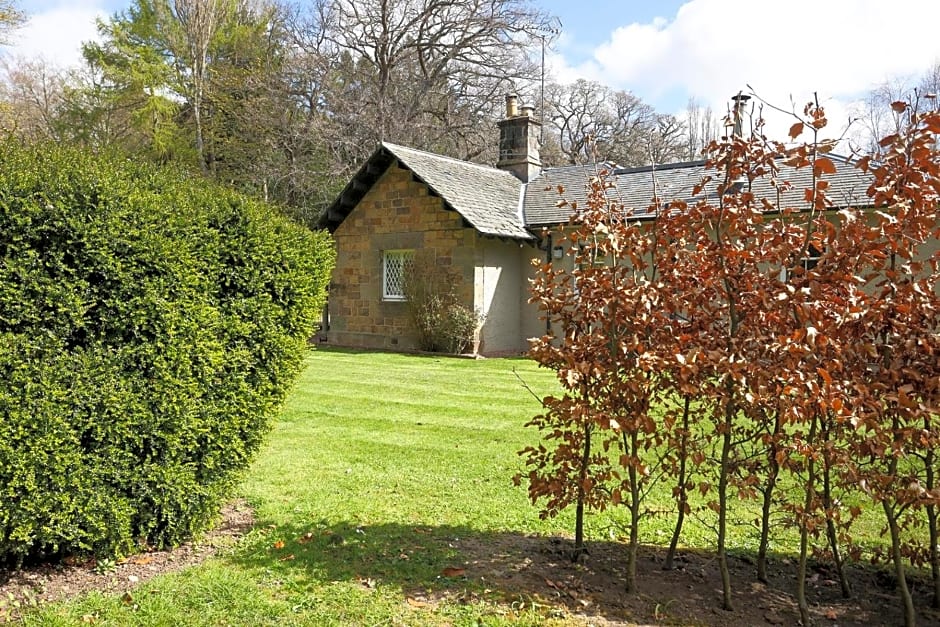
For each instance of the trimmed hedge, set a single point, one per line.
(150, 326)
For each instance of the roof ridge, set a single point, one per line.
(659, 167)
(397, 147)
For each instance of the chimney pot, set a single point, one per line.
(512, 105)
(528, 111)
(740, 101)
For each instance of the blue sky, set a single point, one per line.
(667, 51)
(586, 22)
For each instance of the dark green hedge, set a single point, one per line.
(150, 326)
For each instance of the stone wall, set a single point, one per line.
(397, 213)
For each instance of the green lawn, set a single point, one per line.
(377, 463)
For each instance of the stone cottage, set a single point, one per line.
(487, 224)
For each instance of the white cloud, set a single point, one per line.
(56, 34)
(839, 49)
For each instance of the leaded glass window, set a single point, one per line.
(395, 267)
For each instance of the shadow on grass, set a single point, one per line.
(448, 564)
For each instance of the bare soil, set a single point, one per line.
(539, 570)
(516, 572)
(47, 583)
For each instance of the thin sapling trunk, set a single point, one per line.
(681, 491)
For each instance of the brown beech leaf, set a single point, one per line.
(453, 571)
(795, 130)
(887, 141)
(932, 124)
(416, 602)
(904, 399)
(824, 165)
(898, 106)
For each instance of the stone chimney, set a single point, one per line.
(519, 141)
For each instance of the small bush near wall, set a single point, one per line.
(442, 324)
(150, 325)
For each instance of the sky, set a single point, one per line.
(667, 51)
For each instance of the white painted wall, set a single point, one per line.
(498, 284)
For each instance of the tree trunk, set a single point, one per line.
(809, 495)
(931, 480)
(765, 521)
(723, 473)
(934, 553)
(910, 617)
(579, 509)
(200, 142)
(831, 534)
(773, 471)
(680, 486)
(634, 515)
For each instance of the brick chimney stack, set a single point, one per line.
(519, 141)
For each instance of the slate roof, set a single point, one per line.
(496, 203)
(676, 181)
(488, 199)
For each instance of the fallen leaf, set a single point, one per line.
(416, 602)
(452, 571)
(832, 614)
(366, 582)
(287, 558)
(127, 599)
(304, 539)
(89, 618)
(279, 544)
(143, 561)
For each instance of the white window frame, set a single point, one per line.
(395, 266)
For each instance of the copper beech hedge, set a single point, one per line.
(150, 326)
(732, 345)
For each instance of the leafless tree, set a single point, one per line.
(32, 96)
(430, 73)
(199, 20)
(590, 122)
(702, 126)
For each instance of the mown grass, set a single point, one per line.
(378, 463)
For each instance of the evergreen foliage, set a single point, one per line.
(150, 325)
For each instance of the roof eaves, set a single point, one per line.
(357, 187)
